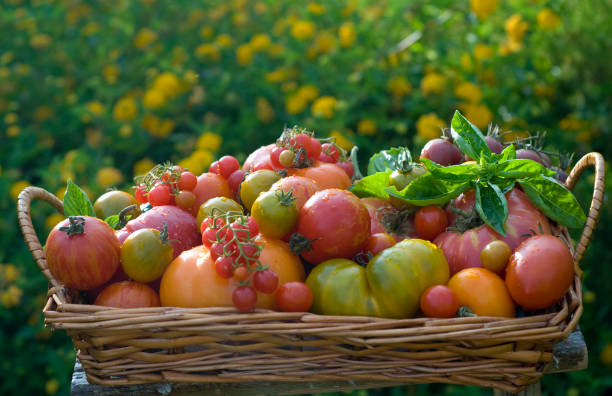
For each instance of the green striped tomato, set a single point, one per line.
(390, 286)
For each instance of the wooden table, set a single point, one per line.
(568, 355)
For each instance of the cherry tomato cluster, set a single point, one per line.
(228, 167)
(167, 185)
(231, 240)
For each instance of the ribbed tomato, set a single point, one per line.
(390, 286)
(301, 187)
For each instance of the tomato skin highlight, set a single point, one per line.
(540, 271)
(439, 301)
(483, 292)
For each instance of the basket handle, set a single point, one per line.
(25, 222)
(595, 160)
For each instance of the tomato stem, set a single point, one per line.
(76, 227)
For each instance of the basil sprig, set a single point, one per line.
(491, 176)
(76, 202)
(396, 158)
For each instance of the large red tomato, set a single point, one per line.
(463, 250)
(325, 174)
(82, 252)
(301, 188)
(539, 272)
(128, 294)
(258, 158)
(387, 218)
(336, 224)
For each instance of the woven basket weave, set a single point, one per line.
(168, 344)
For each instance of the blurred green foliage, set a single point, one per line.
(99, 91)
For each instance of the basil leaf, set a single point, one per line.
(521, 168)
(394, 158)
(113, 221)
(456, 173)
(429, 190)
(76, 202)
(554, 200)
(492, 206)
(505, 184)
(372, 186)
(509, 153)
(468, 137)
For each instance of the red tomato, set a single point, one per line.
(294, 297)
(430, 221)
(225, 166)
(160, 195)
(540, 272)
(442, 152)
(326, 175)
(376, 208)
(274, 156)
(336, 223)
(439, 302)
(379, 242)
(259, 157)
(301, 187)
(265, 281)
(187, 181)
(141, 193)
(483, 292)
(84, 254)
(347, 166)
(383, 214)
(128, 294)
(315, 149)
(331, 152)
(210, 185)
(244, 298)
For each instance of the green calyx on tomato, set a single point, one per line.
(390, 286)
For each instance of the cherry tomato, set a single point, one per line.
(274, 156)
(234, 181)
(160, 195)
(430, 221)
(145, 255)
(294, 297)
(315, 149)
(241, 273)
(439, 302)
(187, 181)
(442, 152)
(141, 193)
(330, 150)
(495, 255)
(185, 199)
(379, 242)
(265, 281)
(244, 298)
(347, 166)
(226, 165)
(276, 213)
(325, 158)
(224, 266)
(209, 236)
(217, 206)
(286, 158)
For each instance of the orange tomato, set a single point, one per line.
(303, 188)
(191, 280)
(325, 174)
(483, 291)
(209, 185)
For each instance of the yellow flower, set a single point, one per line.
(260, 7)
(13, 131)
(542, 90)
(223, 40)
(265, 112)
(162, 128)
(606, 354)
(209, 141)
(341, 140)
(466, 62)
(52, 220)
(43, 113)
(399, 86)
(433, 83)
(23, 69)
(208, 51)
(143, 166)
(10, 272)
(276, 76)
(52, 386)
(324, 107)
(95, 107)
(5, 72)
(125, 109)
(110, 73)
(483, 8)
(571, 123)
(483, 51)
(40, 41)
(276, 49)
(198, 162)
(153, 99)
(90, 28)
(516, 27)
(429, 126)
(244, 54)
(588, 297)
(240, 18)
(295, 104)
(126, 130)
(366, 127)
(548, 20)
(17, 187)
(468, 91)
(11, 296)
(108, 176)
(260, 42)
(302, 30)
(206, 32)
(308, 92)
(477, 114)
(346, 33)
(168, 84)
(325, 42)
(316, 8)
(11, 118)
(144, 37)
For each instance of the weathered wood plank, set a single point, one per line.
(568, 355)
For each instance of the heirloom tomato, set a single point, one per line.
(258, 158)
(483, 292)
(217, 206)
(256, 183)
(209, 185)
(540, 271)
(275, 212)
(128, 294)
(301, 187)
(325, 174)
(390, 286)
(332, 224)
(112, 202)
(145, 254)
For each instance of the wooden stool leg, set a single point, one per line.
(531, 390)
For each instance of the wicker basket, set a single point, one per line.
(167, 344)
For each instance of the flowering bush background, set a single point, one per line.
(100, 91)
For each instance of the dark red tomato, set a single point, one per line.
(442, 152)
(539, 272)
(294, 297)
(274, 156)
(224, 266)
(258, 157)
(141, 193)
(234, 181)
(244, 298)
(534, 156)
(379, 242)
(160, 195)
(439, 302)
(336, 223)
(187, 181)
(265, 281)
(347, 166)
(430, 221)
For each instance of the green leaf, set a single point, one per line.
(394, 158)
(76, 202)
(509, 153)
(454, 173)
(429, 190)
(468, 137)
(113, 221)
(554, 200)
(372, 186)
(492, 206)
(521, 168)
